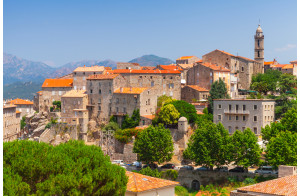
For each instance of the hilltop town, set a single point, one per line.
(215, 92)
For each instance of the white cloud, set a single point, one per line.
(286, 47)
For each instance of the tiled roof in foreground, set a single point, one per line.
(280, 186)
(139, 183)
(58, 83)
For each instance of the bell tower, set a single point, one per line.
(259, 46)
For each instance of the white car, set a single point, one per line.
(137, 164)
(266, 170)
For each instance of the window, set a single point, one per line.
(229, 129)
(64, 110)
(59, 92)
(124, 109)
(164, 93)
(210, 73)
(53, 92)
(219, 106)
(255, 119)
(164, 77)
(99, 84)
(141, 77)
(258, 55)
(268, 107)
(151, 77)
(83, 73)
(244, 118)
(242, 69)
(135, 100)
(117, 100)
(210, 80)
(229, 117)
(219, 117)
(117, 109)
(171, 85)
(91, 91)
(244, 107)
(124, 100)
(255, 107)
(109, 91)
(236, 118)
(83, 78)
(99, 108)
(75, 114)
(236, 128)
(148, 101)
(258, 42)
(171, 93)
(152, 83)
(91, 83)
(237, 108)
(265, 118)
(171, 77)
(99, 100)
(83, 87)
(255, 130)
(229, 107)
(99, 91)
(75, 87)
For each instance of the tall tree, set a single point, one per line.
(218, 90)
(154, 144)
(164, 99)
(282, 149)
(133, 121)
(186, 109)
(168, 115)
(266, 82)
(287, 83)
(209, 146)
(72, 168)
(246, 151)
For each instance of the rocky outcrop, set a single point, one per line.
(36, 124)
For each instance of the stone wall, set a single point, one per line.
(186, 177)
(49, 95)
(11, 123)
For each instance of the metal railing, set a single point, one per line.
(236, 111)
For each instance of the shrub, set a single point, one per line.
(169, 174)
(149, 172)
(125, 135)
(249, 181)
(48, 125)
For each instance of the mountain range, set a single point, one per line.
(19, 72)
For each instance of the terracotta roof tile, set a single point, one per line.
(102, 77)
(225, 52)
(215, 67)
(186, 66)
(132, 90)
(20, 102)
(133, 71)
(89, 69)
(171, 67)
(151, 116)
(268, 63)
(278, 65)
(18, 112)
(200, 61)
(288, 66)
(147, 68)
(9, 106)
(184, 57)
(294, 62)
(139, 183)
(107, 68)
(198, 88)
(58, 83)
(75, 93)
(280, 186)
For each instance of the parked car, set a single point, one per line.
(168, 166)
(137, 164)
(203, 168)
(221, 169)
(152, 166)
(187, 167)
(266, 170)
(119, 162)
(237, 169)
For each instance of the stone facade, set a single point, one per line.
(74, 99)
(259, 46)
(80, 74)
(11, 123)
(239, 114)
(121, 65)
(204, 74)
(100, 89)
(190, 93)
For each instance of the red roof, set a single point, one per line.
(135, 71)
(150, 116)
(225, 52)
(278, 65)
(171, 67)
(280, 186)
(102, 77)
(58, 83)
(147, 68)
(247, 59)
(20, 102)
(184, 57)
(198, 88)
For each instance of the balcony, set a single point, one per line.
(241, 112)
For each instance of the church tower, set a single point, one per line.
(259, 46)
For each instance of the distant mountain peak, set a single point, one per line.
(151, 60)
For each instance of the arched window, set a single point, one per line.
(195, 185)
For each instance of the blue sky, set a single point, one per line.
(58, 32)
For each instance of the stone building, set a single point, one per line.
(70, 101)
(81, 73)
(36, 101)
(174, 67)
(288, 69)
(239, 114)
(268, 65)
(187, 60)
(194, 93)
(100, 89)
(166, 82)
(127, 99)
(185, 68)
(243, 68)
(121, 65)
(53, 90)
(204, 74)
(11, 123)
(25, 107)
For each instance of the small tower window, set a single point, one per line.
(258, 43)
(258, 55)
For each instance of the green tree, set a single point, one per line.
(168, 115)
(282, 149)
(111, 126)
(133, 121)
(218, 90)
(209, 146)
(71, 168)
(164, 99)
(185, 109)
(287, 83)
(245, 149)
(266, 82)
(23, 122)
(284, 102)
(204, 118)
(149, 172)
(154, 144)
